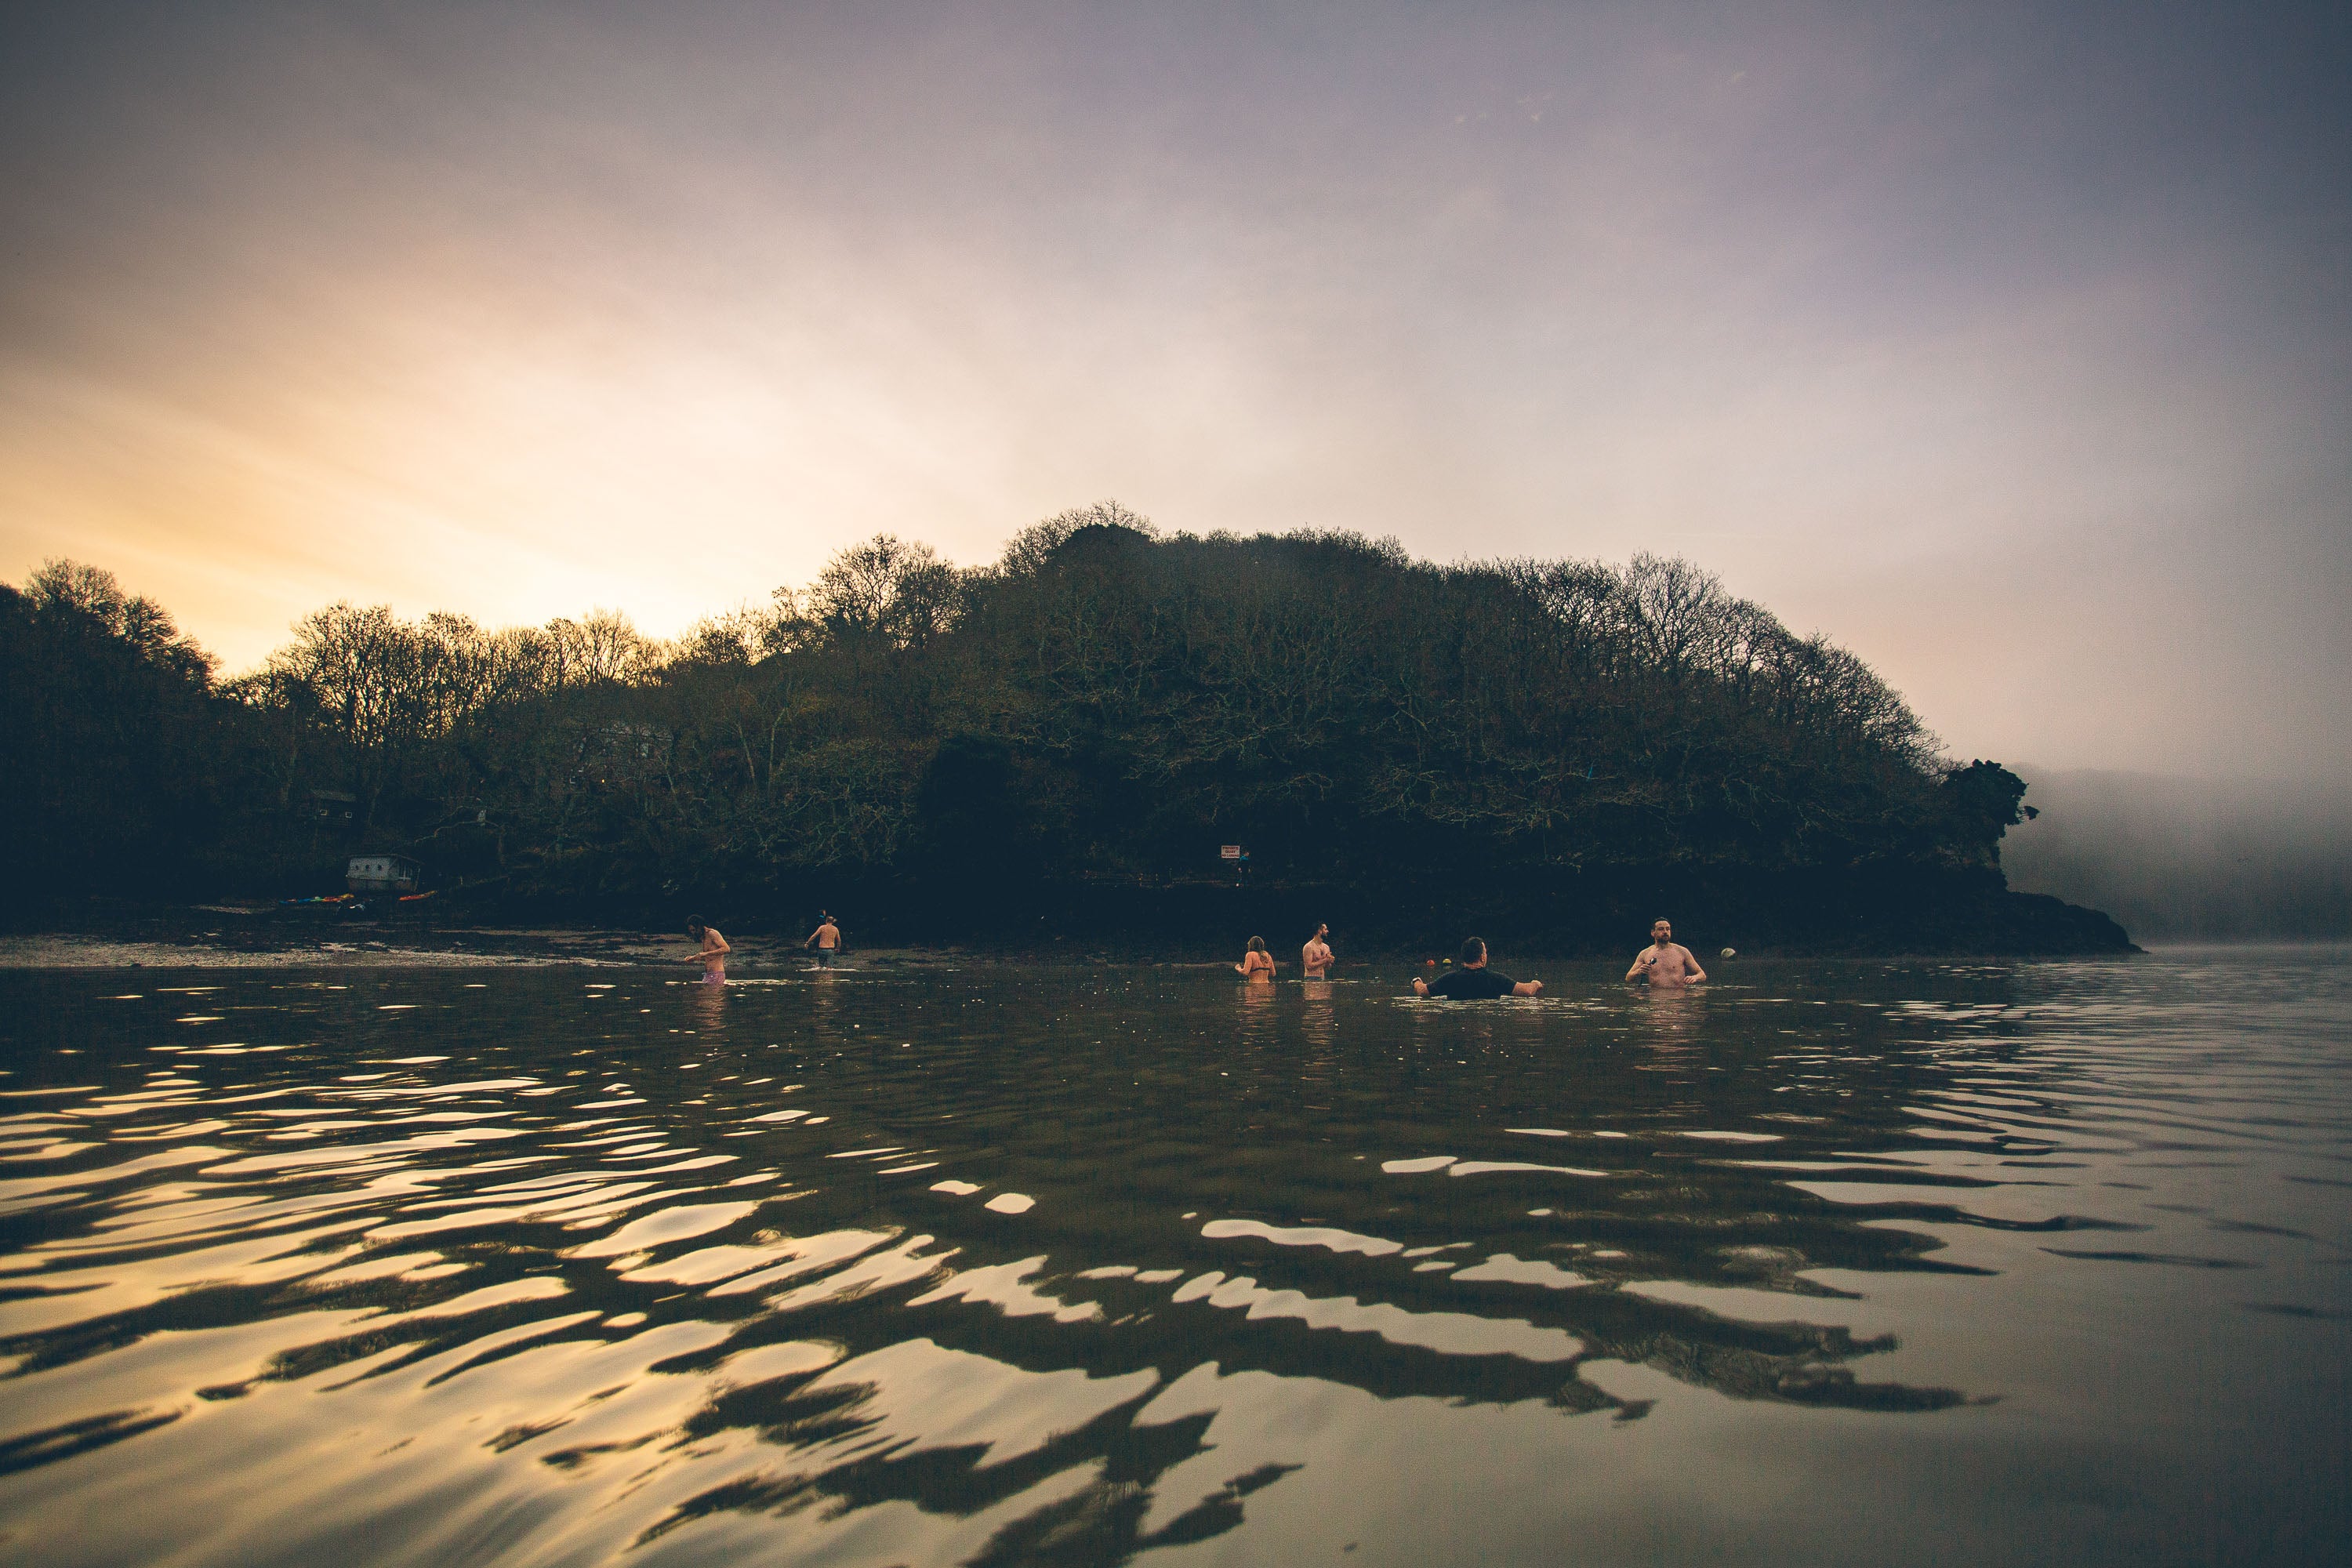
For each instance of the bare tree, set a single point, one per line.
(601, 648)
(72, 587)
(1028, 551)
(885, 592)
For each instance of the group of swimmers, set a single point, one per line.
(1314, 958)
(1664, 964)
(713, 949)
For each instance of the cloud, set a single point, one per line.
(1994, 349)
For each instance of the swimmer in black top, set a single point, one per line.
(1474, 980)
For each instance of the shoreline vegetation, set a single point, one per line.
(1047, 754)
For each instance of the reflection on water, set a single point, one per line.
(1829, 1263)
(710, 1007)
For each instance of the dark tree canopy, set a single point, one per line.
(1107, 705)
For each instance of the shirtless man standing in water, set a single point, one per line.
(713, 956)
(1315, 956)
(824, 938)
(1665, 962)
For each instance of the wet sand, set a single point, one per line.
(232, 936)
(224, 937)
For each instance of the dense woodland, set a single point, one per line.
(1058, 742)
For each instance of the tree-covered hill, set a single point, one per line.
(1061, 741)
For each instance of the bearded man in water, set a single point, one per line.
(1666, 963)
(713, 953)
(1315, 956)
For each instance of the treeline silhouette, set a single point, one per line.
(1058, 742)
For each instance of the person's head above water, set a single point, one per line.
(1474, 953)
(694, 928)
(1257, 944)
(1662, 931)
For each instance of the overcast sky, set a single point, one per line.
(2011, 346)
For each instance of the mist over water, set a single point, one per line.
(1832, 1262)
(2190, 860)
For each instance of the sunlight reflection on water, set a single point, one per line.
(1862, 1262)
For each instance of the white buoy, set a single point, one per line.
(1730, 953)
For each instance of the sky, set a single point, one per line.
(2010, 346)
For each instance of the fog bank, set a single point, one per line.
(2177, 858)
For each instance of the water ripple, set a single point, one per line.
(417, 1267)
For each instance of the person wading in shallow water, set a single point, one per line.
(1256, 965)
(1315, 956)
(825, 939)
(714, 951)
(1474, 980)
(1666, 963)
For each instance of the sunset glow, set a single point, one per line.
(2012, 356)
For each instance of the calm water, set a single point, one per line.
(1864, 1263)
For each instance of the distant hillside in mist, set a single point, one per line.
(2177, 858)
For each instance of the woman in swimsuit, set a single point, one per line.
(1256, 965)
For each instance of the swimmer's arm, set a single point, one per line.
(1420, 986)
(1641, 962)
(1527, 988)
(1696, 973)
(721, 944)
